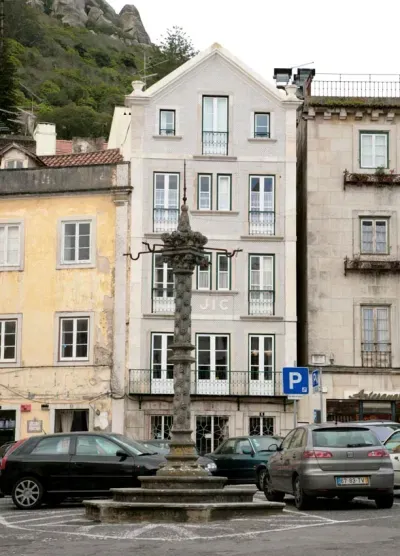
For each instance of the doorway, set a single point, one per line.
(7, 425)
(71, 420)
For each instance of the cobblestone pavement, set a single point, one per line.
(331, 528)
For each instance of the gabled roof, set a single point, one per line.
(215, 50)
(110, 156)
(23, 150)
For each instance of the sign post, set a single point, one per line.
(295, 385)
(317, 387)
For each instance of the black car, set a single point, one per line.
(48, 469)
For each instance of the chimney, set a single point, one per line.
(45, 137)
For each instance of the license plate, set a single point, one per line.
(345, 481)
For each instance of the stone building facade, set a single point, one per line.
(236, 136)
(349, 247)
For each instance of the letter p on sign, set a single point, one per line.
(294, 378)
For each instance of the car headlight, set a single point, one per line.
(211, 466)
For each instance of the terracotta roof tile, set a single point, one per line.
(110, 156)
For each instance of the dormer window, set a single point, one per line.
(167, 122)
(13, 164)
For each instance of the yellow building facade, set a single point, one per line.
(62, 349)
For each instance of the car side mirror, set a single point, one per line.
(247, 451)
(122, 454)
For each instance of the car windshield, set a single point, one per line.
(264, 442)
(344, 438)
(136, 447)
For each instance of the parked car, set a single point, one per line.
(330, 460)
(7, 448)
(48, 469)
(163, 447)
(382, 429)
(392, 445)
(243, 459)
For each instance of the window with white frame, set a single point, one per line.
(374, 147)
(161, 427)
(166, 202)
(261, 285)
(374, 236)
(74, 338)
(262, 205)
(10, 245)
(161, 352)
(163, 286)
(224, 191)
(204, 197)
(261, 358)
(76, 242)
(8, 340)
(203, 274)
(167, 122)
(215, 125)
(14, 164)
(212, 356)
(223, 272)
(261, 124)
(376, 346)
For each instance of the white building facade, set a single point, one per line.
(236, 136)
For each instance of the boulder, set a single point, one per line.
(131, 23)
(71, 12)
(96, 18)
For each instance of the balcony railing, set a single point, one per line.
(254, 382)
(261, 302)
(359, 85)
(163, 300)
(215, 142)
(383, 265)
(262, 222)
(376, 179)
(377, 355)
(165, 220)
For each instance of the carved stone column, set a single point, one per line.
(183, 250)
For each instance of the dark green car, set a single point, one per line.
(243, 459)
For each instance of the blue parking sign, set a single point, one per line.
(295, 381)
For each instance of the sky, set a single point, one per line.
(342, 36)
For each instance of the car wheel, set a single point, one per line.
(384, 502)
(261, 479)
(271, 494)
(301, 500)
(27, 493)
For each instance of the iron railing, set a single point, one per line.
(163, 300)
(215, 142)
(167, 131)
(261, 302)
(377, 355)
(225, 382)
(165, 220)
(262, 222)
(358, 85)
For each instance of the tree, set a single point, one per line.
(175, 49)
(8, 84)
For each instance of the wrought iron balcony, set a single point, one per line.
(358, 85)
(367, 265)
(377, 355)
(223, 382)
(262, 222)
(165, 220)
(163, 300)
(215, 142)
(380, 178)
(261, 302)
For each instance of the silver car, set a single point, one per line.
(327, 461)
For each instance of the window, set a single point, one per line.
(166, 202)
(375, 346)
(215, 125)
(261, 124)
(262, 205)
(374, 236)
(8, 341)
(212, 356)
(393, 444)
(160, 354)
(211, 431)
(261, 285)
(204, 274)
(96, 446)
(261, 359)
(287, 440)
(299, 439)
(54, 445)
(223, 272)
(243, 446)
(204, 197)
(374, 147)
(14, 164)
(161, 426)
(76, 242)
(167, 122)
(224, 192)
(74, 339)
(228, 447)
(261, 426)
(10, 245)
(163, 286)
